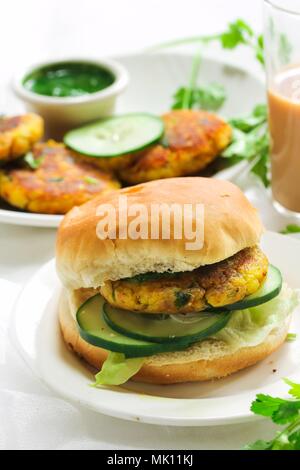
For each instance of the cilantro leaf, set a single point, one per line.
(248, 123)
(284, 49)
(291, 337)
(178, 98)
(260, 49)
(265, 405)
(286, 412)
(238, 33)
(259, 445)
(91, 180)
(281, 442)
(209, 98)
(282, 412)
(32, 162)
(251, 141)
(261, 168)
(295, 390)
(291, 229)
(261, 110)
(294, 440)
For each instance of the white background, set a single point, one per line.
(31, 30)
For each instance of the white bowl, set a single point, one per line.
(64, 113)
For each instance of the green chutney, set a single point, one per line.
(68, 79)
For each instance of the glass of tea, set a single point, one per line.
(282, 50)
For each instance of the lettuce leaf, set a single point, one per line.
(117, 370)
(251, 327)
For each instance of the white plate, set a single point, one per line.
(36, 332)
(153, 81)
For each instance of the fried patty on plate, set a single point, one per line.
(59, 182)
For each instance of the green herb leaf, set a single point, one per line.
(261, 168)
(282, 412)
(282, 442)
(291, 229)
(117, 370)
(178, 98)
(284, 49)
(91, 180)
(182, 299)
(286, 413)
(33, 162)
(260, 50)
(291, 337)
(209, 98)
(294, 440)
(295, 390)
(251, 142)
(238, 33)
(248, 123)
(259, 445)
(265, 405)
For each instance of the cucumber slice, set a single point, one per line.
(167, 330)
(115, 136)
(94, 330)
(270, 289)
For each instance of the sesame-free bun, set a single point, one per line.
(208, 360)
(231, 224)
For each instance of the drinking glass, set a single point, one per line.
(282, 51)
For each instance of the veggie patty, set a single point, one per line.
(56, 182)
(18, 134)
(217, 285)
(192, 140)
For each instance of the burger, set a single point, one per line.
(147, 304)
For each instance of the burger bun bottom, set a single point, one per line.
(208, 360)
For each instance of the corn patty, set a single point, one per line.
(217, 285)
(18, 134)
(192, 140)
(59, 183)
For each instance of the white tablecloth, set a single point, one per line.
(30, 415)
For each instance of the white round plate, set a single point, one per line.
(154, 78)
(36, 333)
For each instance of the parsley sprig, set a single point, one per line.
(290, 229)
(213, 96)
(238, 33)
(284, 413)
(250, 133)
(210, 97)
(33, 162)
(251, 142)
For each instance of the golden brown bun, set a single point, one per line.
(231, 224)
(204, 361)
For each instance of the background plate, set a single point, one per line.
(154, 78)
(214, 403)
